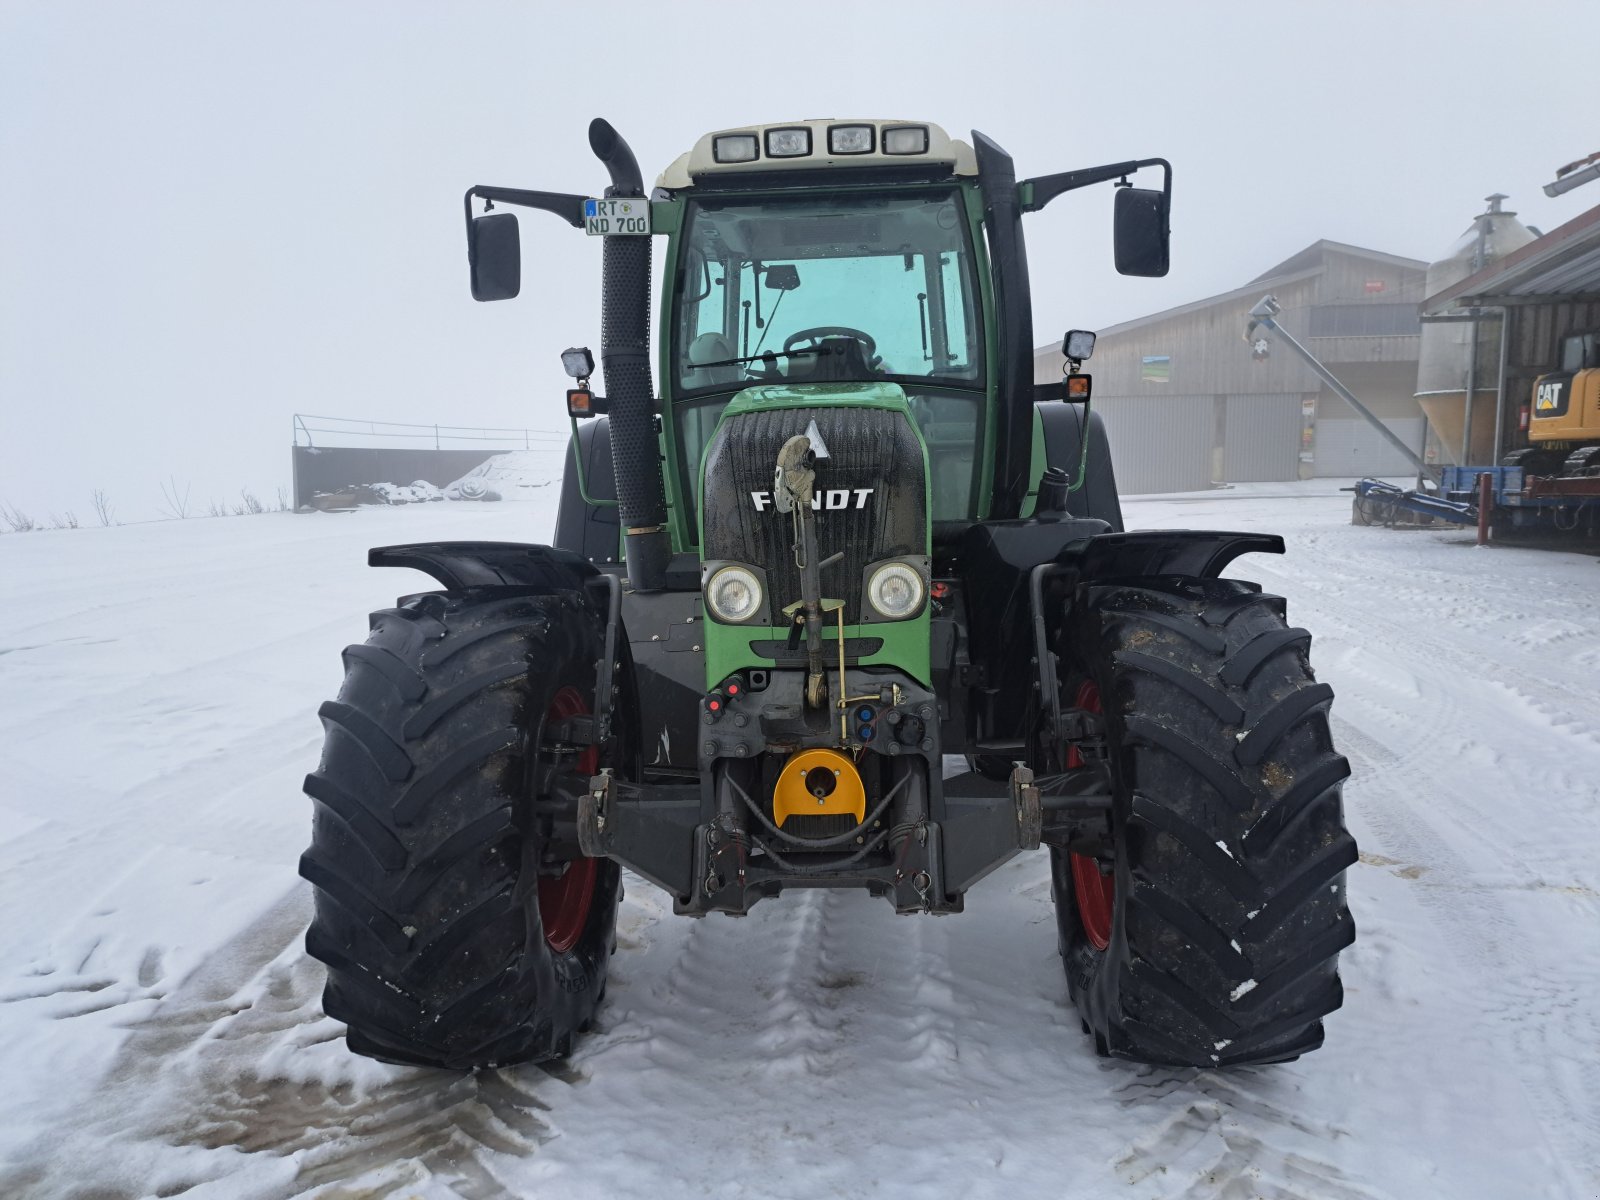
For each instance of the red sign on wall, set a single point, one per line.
(1374, 286)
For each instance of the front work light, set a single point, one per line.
(733, 594)
(850, 139)
(577, 362)
(895, 591)
(788, 143)
(1078, 344)
(906, 139)
(735, 148)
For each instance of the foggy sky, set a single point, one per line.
(214, 215)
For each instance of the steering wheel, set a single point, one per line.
(816, 333)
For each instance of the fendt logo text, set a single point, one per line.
(831, 499)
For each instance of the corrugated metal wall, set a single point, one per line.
(1261, 440)
(1159, 443)
(1350, 448)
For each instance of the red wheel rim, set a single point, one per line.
(1096, 893)
(564, 901)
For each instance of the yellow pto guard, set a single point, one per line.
(818, 783)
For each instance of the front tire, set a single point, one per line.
(453, 934)
(1207, 932)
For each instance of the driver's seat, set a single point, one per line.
(712, 348)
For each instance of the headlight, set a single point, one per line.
(733, 594)
(788, 143)
(895, 590)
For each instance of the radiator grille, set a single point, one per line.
(868, 448)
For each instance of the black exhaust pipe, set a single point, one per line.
(630, 392)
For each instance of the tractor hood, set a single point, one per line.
(871, 501)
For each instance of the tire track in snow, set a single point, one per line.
(239, 1059)
(1220, 1139)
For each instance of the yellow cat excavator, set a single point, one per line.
(1563, 421)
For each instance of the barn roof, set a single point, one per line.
(1305, 264)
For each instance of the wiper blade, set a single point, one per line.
(769, 356)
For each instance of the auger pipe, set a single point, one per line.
(1262, 316)
(625, 359)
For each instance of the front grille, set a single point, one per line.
(829, 825)
(867, 448)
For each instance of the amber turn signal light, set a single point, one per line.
(1078, 387)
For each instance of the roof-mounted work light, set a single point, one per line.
(850, 139)
(906, 139)
(788, 143)
(735, 148)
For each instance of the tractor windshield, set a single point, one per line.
(836, 288)
(843, 288)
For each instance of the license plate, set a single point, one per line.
(612, 218)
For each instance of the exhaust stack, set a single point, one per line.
(625, 360)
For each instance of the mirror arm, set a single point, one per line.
(564, 205)
(1034, 194)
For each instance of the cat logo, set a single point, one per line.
(1548, 398)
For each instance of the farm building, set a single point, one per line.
(1189, 403)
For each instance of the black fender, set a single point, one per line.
(591, 530)
(1199, 553)
(509, 567)
(1065, 426)
(462, 565)
(1020, 576)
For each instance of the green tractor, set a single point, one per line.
(840, 539)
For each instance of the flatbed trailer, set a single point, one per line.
(1518, 503)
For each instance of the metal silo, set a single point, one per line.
(1456, 359)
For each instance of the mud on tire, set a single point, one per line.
(1227, 904)
(425, 850)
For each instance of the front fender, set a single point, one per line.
(1198, 553)
(462, 565)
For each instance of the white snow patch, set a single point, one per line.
(160, 1026)
(419, 492)
(515, 475)
(1245, 988)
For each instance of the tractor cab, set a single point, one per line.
(833, 252)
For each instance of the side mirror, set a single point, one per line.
(1141, 233)
(494, 252)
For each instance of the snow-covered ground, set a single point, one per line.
(159, 1027)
